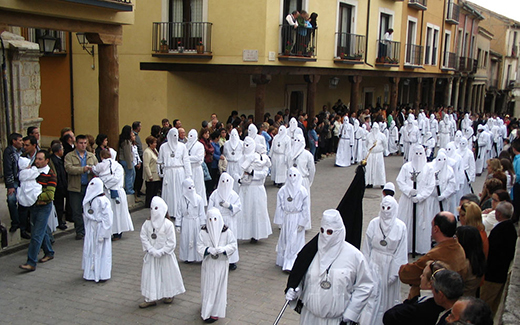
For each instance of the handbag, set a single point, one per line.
(205, 170)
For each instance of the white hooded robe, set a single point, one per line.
(191, 218)
(346, 142)
(375, 169)
(279, 150)
(196, 156)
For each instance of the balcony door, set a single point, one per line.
(346, 42)
(186, 12)
(291, 5)
(410, 42)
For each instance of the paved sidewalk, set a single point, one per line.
(57, 294)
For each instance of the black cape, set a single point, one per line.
(351, 210)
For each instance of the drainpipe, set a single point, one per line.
(5, 90)
(71, 83)
(366, 35)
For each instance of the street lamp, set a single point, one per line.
(83, 41)
(333, 82)
(47, 43)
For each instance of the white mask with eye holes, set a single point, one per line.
(173, 138)
(458, 137)
(225, 186)
(249, 146)
(192, 138)
(388, 213)
(189, 192)
(441, 163)
(298, 146)
(158, 210)
(214, 225)
(294, 181)
(331, 239)
(463, 146)
(418, 158)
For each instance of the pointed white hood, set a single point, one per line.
(451, 150)
(225, 187)
(252, 131)
(375, 129)
(388, 213)
(298, 146)
(458, 137)
(282, 133)
(158, 211)
(294, 181)
(234, 139)
(329, 246)
(418, 158)
(293, 125)
(173, 138)
(463, 147)
(214, 225)
(188, 190)
(94, 188)
(192, 138)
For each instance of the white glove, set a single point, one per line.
(415, 199)
(292, 294)
(159, 253)
(441, 197)
(152, 251)
(220, 250)
(101, 239)
(178, 229)
(413, 192)
(212, 251)
(226, 205)
(392, 279)
(301, 228)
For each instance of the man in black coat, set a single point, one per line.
(502, 244)
(61, 189)
(11, 155)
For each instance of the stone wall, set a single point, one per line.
(511, 312)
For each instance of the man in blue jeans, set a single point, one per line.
(11, 155)
(78, 164)
(40, 213)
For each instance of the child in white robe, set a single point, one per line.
(161, 277)
(216, 243)
(29, 187)
(97, 245)
(188, 225)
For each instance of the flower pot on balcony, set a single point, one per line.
(299, 53)
(287, 52)
(163, 48)
(180, 49)
(200, 49)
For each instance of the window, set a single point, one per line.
(431, 44)
(429, 37)
(479, 57)
(435, 46)
(447, 47)
(410, 41)
(459, 43)
(291, 5)
(486, 53)
(384, 24)
(346, 41)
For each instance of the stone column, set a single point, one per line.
(418, 94)
(261, 81)
(355, 82)
(463, 93)
(394, 90)
(456, 96)
(23, 83)
(109, 90)
(312, 83)
(431, 102)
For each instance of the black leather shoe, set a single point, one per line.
(13, 229)
(25, 235)
(62, 227)
(80, 236)
(232, 266)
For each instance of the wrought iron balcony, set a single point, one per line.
(182, 39)
(350, 48)
(413, 57)
(418, 4)
(449, 61)
(388, 53)
(298, 44)
(465, 64)
(452, 15)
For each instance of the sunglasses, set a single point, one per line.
(433, 274)
(329, 231)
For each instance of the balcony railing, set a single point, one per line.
(450, 61)
(413, 55)
(466, 64)
(452, 16)
(418, 4)
(388, 52)
(182, 38)
(301, 42)
(350, 46)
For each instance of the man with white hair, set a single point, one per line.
(335, 281)
(416, 182)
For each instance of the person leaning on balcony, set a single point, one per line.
(290, 36)
(292, 19)
(385, 42)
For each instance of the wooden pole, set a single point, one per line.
(109, 92)
(394, 90)
(354, 92)
(261, 81)
(312, 84)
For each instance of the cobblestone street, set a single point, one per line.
(57, 294)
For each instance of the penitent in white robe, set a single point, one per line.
(375, 170)
(351, 281)
(279, 151)
(393, 139)
(254, 221)
(214, 273)
(196, 156)
(234, 154)
(468, 170)
(112, 174)
(192, 218)
(289, 215)
(161, 277)
(346, 142)
(173, 170)
(410, 137)
(384, 261)
(229, 215)
(425, 186)
(97, 245)
(447, 183)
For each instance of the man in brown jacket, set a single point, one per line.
(447, 250)
(78, 164)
